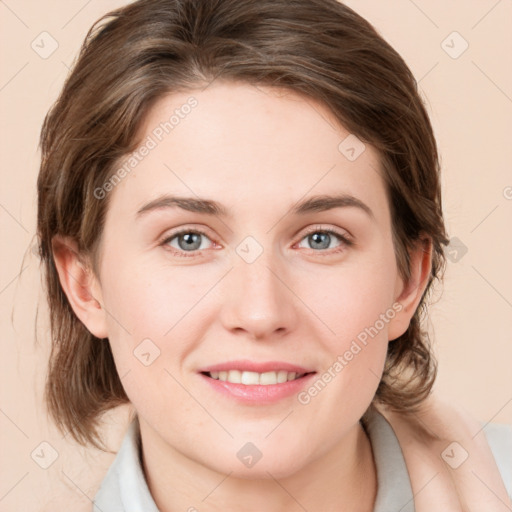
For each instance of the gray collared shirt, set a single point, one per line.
(124, 487)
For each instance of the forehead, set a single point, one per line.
(249, 146)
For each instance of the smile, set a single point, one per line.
(256, 393)
(255, 378)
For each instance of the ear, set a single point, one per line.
(408, 294)
(81, 286)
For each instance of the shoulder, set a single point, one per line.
(499, 438)
(468, 461)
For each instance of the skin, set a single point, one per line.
(258, 151)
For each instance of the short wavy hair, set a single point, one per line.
(135, 55)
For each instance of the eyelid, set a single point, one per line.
(168, 236)
(342, 233)
(345, 238)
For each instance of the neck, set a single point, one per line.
(343, 479)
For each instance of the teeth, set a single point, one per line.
(254, 378)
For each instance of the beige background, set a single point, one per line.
(470, 102)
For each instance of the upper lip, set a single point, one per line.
(253, 366)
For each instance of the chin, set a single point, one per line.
(263, 470)
(249, 461)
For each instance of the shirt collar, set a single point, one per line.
(124, 487)
(394, 491)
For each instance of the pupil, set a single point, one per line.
(316, 238)
(191, 241)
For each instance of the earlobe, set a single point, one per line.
(409, 294)
(80, 285)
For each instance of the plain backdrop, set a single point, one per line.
(459, 52)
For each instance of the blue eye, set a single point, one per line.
(187, 241)
(321, 239)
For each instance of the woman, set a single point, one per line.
(240, 218)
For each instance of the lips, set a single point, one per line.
(243, 365)
(254, 382)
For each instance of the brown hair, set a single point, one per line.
(135, 55)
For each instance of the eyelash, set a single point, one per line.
(345, 241)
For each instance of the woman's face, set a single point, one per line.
(269, 282)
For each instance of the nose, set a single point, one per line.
(257, 300)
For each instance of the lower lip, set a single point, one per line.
(258, 394)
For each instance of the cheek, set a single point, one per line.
(360, 319)
(149, 300)
(153, 316)
(355, 298)
(146, 315)
(358, 312)
(358, 305)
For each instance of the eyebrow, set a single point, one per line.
(318, 203)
